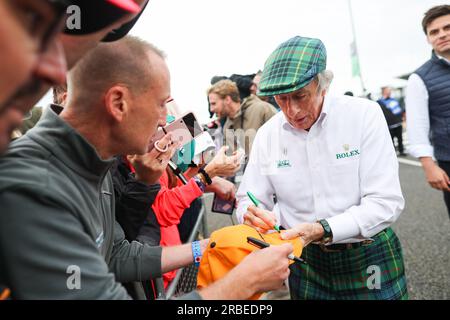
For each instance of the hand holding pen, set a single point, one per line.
(258, 218)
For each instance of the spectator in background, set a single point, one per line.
(174, 198)
(428, 103)
(394, 114)
(244, 84)
(33, 116)
(214, 80)
(60, 94)
(255, 83)
(254, 90)
(244, 117)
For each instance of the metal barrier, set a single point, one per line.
(186, 278)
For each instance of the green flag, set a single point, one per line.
(356, 72)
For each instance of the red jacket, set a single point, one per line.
(169, 206)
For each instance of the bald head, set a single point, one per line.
(117, 96)
(125, 62)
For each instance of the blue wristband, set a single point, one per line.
(196, 252)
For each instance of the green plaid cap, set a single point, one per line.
(292, 66)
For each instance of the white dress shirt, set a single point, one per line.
(417, 117)
(344, 170)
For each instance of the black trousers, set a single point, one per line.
(445, 165)
(398, 133)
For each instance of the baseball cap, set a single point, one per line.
(98, 14)
(123, 30)
(228, 246)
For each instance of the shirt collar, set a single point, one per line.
(67, 144)
(321, 121)
(441, 58)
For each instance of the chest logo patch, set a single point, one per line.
(347, 153)
(283, 164)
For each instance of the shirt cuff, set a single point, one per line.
(420, 150)
(343, 227)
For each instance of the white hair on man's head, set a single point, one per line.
(324, 79)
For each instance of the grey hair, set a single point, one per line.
(324, 79)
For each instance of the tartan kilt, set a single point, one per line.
(370, 272)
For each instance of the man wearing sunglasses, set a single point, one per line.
(26, 30)
(32, 57)
(36, 55)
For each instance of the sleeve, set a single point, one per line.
(46, 254)
(256, 180)
(133, 205)
(150, 232)
(170, 204)
(417, 118)
(381, 196)
(134, 261)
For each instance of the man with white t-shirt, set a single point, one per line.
(428, 103)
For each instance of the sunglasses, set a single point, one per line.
(59, 8)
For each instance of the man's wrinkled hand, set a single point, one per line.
(260, 219)
(307, 232)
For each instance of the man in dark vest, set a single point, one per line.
(428, 103)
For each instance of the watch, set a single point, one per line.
(328, 234)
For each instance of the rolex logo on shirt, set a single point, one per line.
(347, 153)
(283, 164)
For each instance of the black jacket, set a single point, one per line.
(134, 201)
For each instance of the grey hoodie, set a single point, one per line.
(58, 235)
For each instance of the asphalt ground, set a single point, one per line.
(423, 229)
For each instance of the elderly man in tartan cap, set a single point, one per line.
(325, 169)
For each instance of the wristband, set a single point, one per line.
(196, 252)
(205, 175)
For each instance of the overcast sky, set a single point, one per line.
(203, 38)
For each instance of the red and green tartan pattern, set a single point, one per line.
(346, 275)
(292, 66)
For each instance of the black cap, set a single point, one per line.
(98, 14)
(121, 32)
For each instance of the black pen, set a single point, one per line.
(261, 244)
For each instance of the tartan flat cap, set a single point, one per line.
(292, 66)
